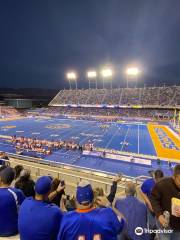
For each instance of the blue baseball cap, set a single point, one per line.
(43, 185)
(84, 193)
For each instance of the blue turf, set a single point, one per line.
(126, 137)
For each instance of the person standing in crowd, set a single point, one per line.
(57, 190)
(25, 183)
(145, 192)
(134, 211)
(4, 159)
(87, 222)
(163, 196)
(18, 168)
(39, 219)
(100, 192)
(10, 200)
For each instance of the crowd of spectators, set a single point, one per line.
(42, 210)
(119, 113)
(25, 145)
(123, 96)
(8, 111)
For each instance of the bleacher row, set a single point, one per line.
(156, 114)
(164, 96)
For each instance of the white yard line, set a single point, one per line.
(125, 138)
(112, 138)
(138, 139)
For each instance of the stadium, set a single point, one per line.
(125, 130)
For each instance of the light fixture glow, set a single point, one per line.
(91, 74)
(132, 71)
(71, 75)
(107, 72)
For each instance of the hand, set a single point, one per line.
(177, 212)
(163, 221)
(117, 178)
(103, 201)
(150, 207)
(60, 187)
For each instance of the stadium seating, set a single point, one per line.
(164, 96)
(7, 110)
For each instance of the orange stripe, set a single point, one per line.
(84, 210)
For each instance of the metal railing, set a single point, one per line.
(71, 174)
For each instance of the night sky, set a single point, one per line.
(41, 40)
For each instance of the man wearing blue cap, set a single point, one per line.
(10, 200)
(89, 223)
(39, 219)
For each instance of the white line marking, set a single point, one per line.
(138, 139)
(125, 138)
(111, 138)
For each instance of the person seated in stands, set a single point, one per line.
(10, 200)
(145, 191)
(39, 219)
(134, 211)
(87, 222)
(25, 183)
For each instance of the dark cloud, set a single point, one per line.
(41, 40)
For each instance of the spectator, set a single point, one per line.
(99, 191)
(161, 199)
(25, 183)
(4, 159)
(18, 169)
(39, 219)
(145, 192)
(57, 190)
(88, 222)
(10, 199)
(134, 211)
(2, 167)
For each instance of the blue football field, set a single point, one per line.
(126, 137)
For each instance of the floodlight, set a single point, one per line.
(107, 72)
(91, 74)
(71, 76)
(132, 71)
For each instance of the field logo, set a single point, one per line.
(58, 126)
(139, 231)
(8, 127)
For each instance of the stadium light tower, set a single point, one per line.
(92, 75)
(132, 72)
(107, 73)
(71, 76)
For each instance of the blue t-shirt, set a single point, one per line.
(135, 213)
(39, 220)
(9, 211)
(147, 186)
(99, 224)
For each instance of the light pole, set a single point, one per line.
(71, 76)
(107, 74)
(92, 75)
(132, 72)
